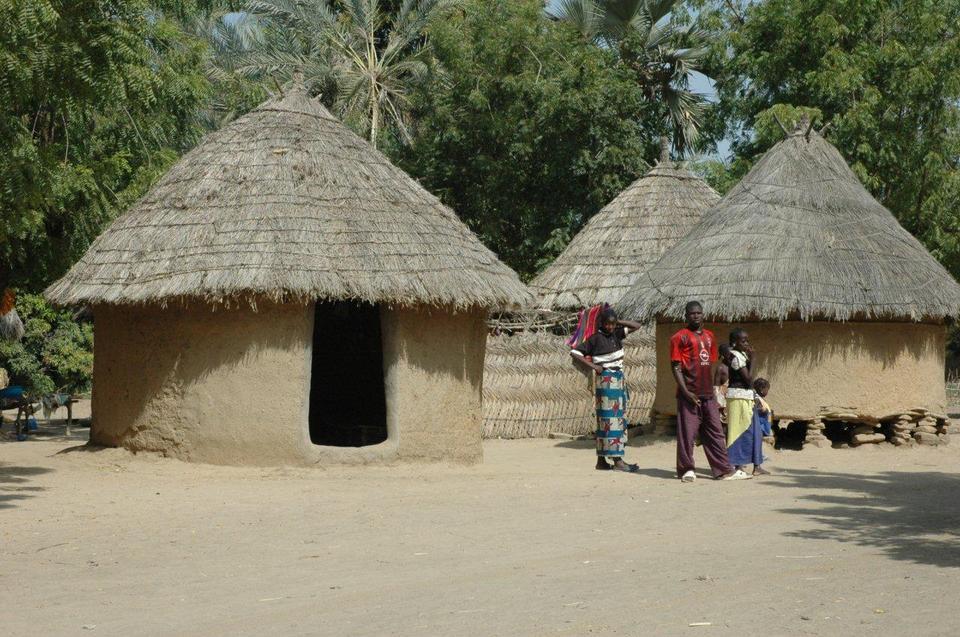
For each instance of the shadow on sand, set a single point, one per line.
(910, 516)
(13, 483)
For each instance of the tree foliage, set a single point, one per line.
(55, 354)
(362, 57)
(99, 99)
(531, 129)
(662, 50)
(881, 73)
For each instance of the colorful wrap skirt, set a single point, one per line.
(611, 405)
(744, 433)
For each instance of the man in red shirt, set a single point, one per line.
(693, 351)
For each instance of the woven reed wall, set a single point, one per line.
(532, 389)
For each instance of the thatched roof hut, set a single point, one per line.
(286, 203)
(278, 272)
(625, 238)
(844, 305)
(530, 387)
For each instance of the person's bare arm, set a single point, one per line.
(583, 363)
(720, 375)
(633, 325)
(745, 371)
(678, 376)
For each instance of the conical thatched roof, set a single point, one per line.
(799, 237)
(625, 238)
(286, 202)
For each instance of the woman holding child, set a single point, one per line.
(744, 429)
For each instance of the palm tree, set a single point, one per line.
(362, 59)
(662, 53)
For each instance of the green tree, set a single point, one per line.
(883, 75)
(55, 354)
(361, 56)
(531, 130)
(661, 50)
(99, 99)
(229, 36)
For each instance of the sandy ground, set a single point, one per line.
(531, 542)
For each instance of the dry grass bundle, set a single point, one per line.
(287, 203)
(11, 327)
(798, 237)
(532, 389)
(625, 238)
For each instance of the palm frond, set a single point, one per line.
(583, 15)
(657, 10)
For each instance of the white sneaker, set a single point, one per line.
(738, 475)
(689, 476)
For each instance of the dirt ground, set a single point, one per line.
(531, 542)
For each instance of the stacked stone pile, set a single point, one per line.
(918, 426)
(912, 427)
(815, 436)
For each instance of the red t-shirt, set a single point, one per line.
(696, 354)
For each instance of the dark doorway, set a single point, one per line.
(348, 407)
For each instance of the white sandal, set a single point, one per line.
(739, 474)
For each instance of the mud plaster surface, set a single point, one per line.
(531, 542)
(231, 386)
(877, 369)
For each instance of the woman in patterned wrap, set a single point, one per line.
(602, 352)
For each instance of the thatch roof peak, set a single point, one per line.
(624, 238)
(800, 237)
(286, 202)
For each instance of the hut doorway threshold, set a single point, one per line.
(347, 395)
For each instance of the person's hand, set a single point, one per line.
(748, 350)
(598, 369)
(691, 396)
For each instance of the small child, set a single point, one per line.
(761, 387)
(721, 376)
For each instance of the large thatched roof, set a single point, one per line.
(286, 202)
(625, 238)
(799, 237)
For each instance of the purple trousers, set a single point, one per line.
(704, 419)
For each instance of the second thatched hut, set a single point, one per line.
(531, 388)
(845, 308)
(285, 295)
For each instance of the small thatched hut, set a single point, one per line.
(531, 388)
(284, 295)
(845, 308)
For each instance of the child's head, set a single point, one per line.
(724, 350)
(761, 386)
(739, 338)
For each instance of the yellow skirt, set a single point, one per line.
(739, 417)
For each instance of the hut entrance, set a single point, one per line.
(348, 405)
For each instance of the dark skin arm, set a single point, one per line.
(678, 376)
(583, 363)
(747, 375)
(632, 325)
(720, 375)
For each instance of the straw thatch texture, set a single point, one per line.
(625, 238)
(532, 389)
(286, 202)
(11, 326)
(798, 237)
